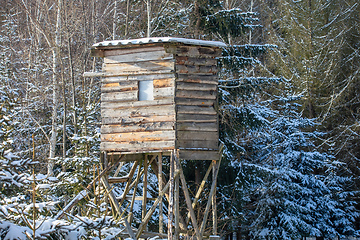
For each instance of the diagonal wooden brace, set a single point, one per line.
(188, 203)
(153, 207)
(208, 205)
(117, 206)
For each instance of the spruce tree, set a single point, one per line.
(284, 185)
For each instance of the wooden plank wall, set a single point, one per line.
(197, 133)
(129, 125)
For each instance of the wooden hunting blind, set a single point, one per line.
(159, 98)
(159, 94)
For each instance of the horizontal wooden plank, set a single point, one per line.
(125, 51)
(132, 77)
(137, 147)
(167, 82)
(137, 120)
(119, 96)
(196, 86)
(196, 94)
(195, 110)
(158, 54)
(186, 60)
(196, 69)
(143, 127)
(197, 126)
(194, 51)
(203, 144)
(138, 136)
(125, 73)
(165, 92)
(138, 198)
(119, 86)
(199, 155)
(197, 78)
(197, 135)
(194, 102)
(118, 179)
(139, 111)
(132, 104)
(181, 117)
(150, 66)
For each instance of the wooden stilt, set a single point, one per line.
(160, 179)
(214, 209)
(144, 187)
(176, 197)
(171, 198)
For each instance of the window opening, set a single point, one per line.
(146, 90)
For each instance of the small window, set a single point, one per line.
(146, 90)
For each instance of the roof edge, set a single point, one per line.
(144, 41)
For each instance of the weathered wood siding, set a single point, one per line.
(183, 113)
(129, 125)
(197, 133)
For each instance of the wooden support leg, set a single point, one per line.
(214, 203)
(144, 187)
(171, 198)
(161, 218)
(176, 197)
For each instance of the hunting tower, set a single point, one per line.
(159, 107)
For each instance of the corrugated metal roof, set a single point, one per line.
(142, 41)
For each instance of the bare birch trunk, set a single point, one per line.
(114, 21)
(148, 9)
(127, 19)
(55, 52)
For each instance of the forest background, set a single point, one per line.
(289, 109)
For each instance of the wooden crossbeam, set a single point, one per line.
(112, 180)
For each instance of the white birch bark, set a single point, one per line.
(55, 95)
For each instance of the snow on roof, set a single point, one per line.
(142, 41)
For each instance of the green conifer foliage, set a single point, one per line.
(279, 173)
